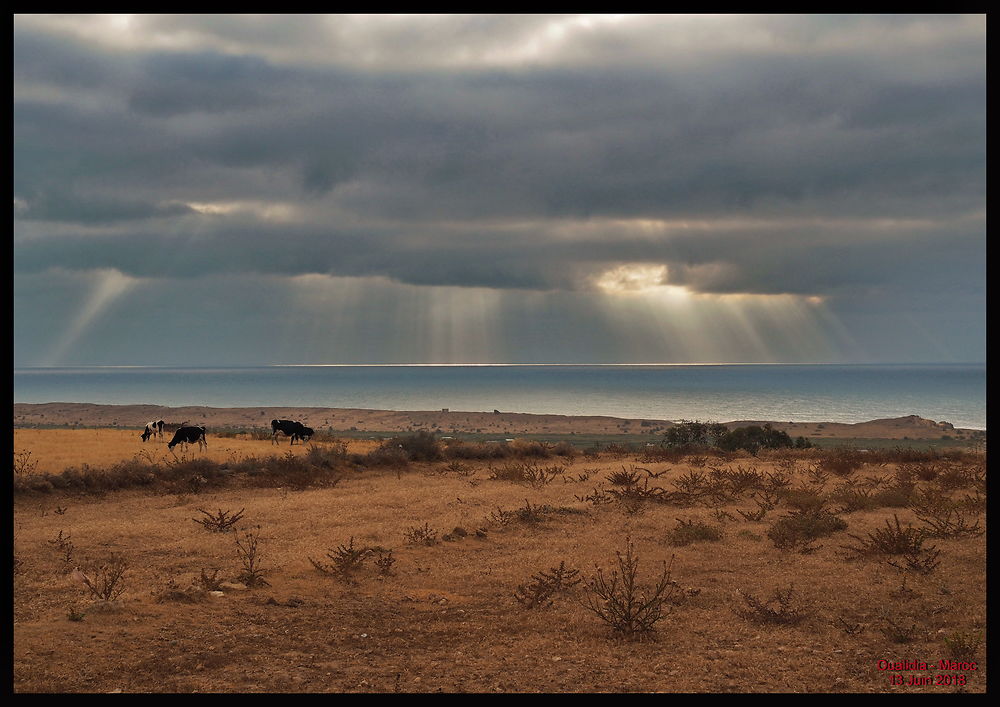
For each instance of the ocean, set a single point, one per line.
(780, 392)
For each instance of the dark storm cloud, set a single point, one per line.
(419, 168)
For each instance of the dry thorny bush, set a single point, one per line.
(782, 608)
(620, 602)
(526, 473)
(248, 551)
(347, 560)
(899, 631)
(891, 540)
(107, 582)
(963, 645)
(421, 536)
(797, 530)
(543, 586)
(219, 522)
(65, 546)
(24, 465)
(692, 531)
(943, 517)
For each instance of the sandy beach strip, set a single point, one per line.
(440, 421)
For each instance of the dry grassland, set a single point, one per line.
(443, 616)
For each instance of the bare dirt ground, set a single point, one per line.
(443, 615)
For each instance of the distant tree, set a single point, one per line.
(694, 434)
(754, 438)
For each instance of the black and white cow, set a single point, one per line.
(153, 428)
(295, 430)
(189, 435)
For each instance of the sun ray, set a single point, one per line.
(108, 287)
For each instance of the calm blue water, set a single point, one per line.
(792, 393)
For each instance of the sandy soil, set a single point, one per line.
(335, 419)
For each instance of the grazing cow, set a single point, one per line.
(153, 428)
(189, 435)
(295, 430)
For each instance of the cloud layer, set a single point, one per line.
(833, 157)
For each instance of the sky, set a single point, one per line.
(317, 189)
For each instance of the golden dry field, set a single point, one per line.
(441, 576)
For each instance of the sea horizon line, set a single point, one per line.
(510, 365)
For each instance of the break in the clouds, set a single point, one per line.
(499, 188)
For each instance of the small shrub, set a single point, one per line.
(891, 540)
(598, 497)
(942, 517)
(501, 517)
(898, 495)
(634, 494)
(797, 530)
(615, 449)
(526, 474)
(107, 583)
(383, 456)
(24, 465)
(421, 536)
(852, 497)
(849, 627)
(781, 609)
(530, 514)
(963, 645)
(692, 483)
(207, 583)
(565, 449)
(842, 461)
(529, 449)
(384, 561)
(803, 500)
(457, 467)
(62, 542)
(740, 480)
(329, 456)
(973, 503)
(347, 560)
(422, 446)
(622, 604)
(174, 592)
(543, 586)
(898, 631)
(693, 531)
(816, 476)
(220, 522)
(75, 614)
(248, 552)
(920, 562)
(758, 515)
(624, 478)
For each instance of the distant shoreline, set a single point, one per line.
(448, 421)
